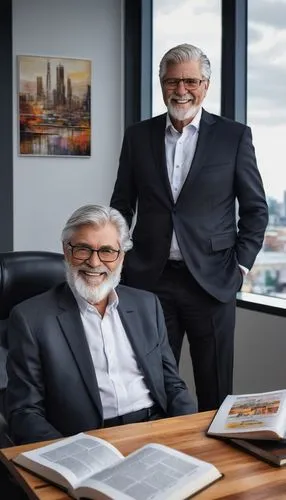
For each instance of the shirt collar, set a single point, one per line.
(84, 306)
(194, 123)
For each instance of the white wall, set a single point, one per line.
(47, 190)
(260, 350)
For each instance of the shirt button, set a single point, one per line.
(177, 166)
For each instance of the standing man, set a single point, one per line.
(184, 171)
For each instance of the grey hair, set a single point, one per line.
(184, 53)
(98, 216)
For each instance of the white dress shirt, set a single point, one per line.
(180, 149)
(121, 384)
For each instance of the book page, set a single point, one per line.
(75, 458)
(251, 413)
(155, 472)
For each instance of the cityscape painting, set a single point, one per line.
(54, 99)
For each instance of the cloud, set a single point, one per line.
(254, 35)
(267, 79)
(169, 6)
(257, 116)
(266, 76)
(268, 12)
(210, 6)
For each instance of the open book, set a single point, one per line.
(251, 416)
(89, 467)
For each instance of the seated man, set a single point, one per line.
(90, 353)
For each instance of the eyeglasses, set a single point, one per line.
(105, 253)
(189, 83)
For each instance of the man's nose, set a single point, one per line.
(181, 89)
(94, 260)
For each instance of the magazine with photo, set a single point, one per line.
(90, 467)
(251, 416)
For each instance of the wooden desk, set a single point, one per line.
(245, 477)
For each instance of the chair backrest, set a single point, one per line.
(25, 274)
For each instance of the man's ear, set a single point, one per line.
(207, 84)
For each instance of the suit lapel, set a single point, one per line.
(158, 126)
(72, 328)
(203, 146)
(137, 339)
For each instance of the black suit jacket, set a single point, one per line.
(204, 217)
(52, 387)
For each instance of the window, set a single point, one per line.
(197, 22)
(266, 114)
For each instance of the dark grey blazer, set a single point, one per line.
(204, 217)
(52, 387)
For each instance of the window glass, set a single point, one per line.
(197, 22)
(266, 114)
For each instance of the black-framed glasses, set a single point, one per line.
(105, 253)
(189, 83)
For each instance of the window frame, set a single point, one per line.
(6, 137)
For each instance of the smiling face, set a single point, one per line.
(90, 277)
(183, 104)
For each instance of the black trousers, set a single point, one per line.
(209, 326)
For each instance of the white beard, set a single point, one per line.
(93, 294)
(181, 114)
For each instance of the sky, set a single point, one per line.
(199, 22)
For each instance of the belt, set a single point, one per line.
(142, 415)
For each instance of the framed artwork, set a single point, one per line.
(54, 106)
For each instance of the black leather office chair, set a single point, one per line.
(22, 275)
